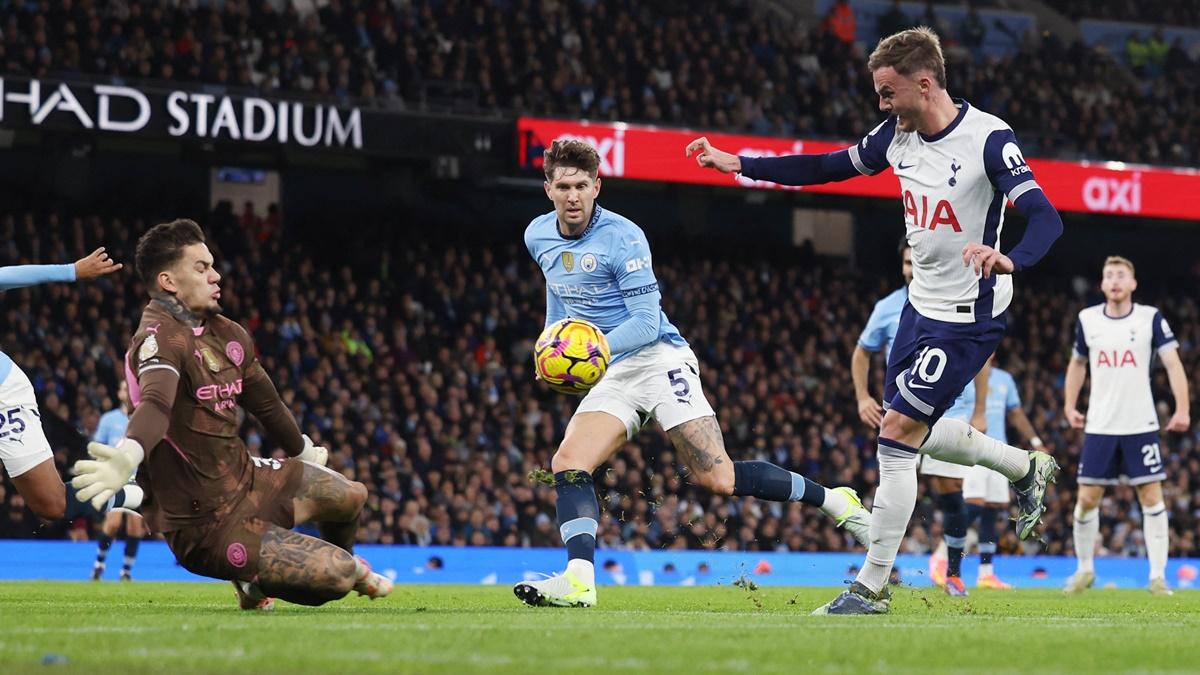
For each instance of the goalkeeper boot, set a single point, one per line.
(1079, 582)
(251, 597)
(370, 583)
(858, 599)
(1030, 500)
(857, 519)
(563, 590)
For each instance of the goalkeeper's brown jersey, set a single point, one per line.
(200, 468)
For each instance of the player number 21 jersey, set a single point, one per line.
(1119, 351)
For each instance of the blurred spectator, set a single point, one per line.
(841, 22)
(726, 65)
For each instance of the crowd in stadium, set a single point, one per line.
(713, 65)
(416, 373)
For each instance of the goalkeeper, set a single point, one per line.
(223, 513)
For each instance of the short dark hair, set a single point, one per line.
(910, 51)
(162, 246)
(570, 154)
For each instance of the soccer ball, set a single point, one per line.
(571, 356)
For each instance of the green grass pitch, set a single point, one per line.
(171, 629)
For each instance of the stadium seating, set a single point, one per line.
(712, 65)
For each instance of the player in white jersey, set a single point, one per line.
(957, 167)
(654, 375)
(24, 450)
(1117, 341)
(947, 478)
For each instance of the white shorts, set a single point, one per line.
(987, 484)
(23, 444)
(660, 381)
(937, 467)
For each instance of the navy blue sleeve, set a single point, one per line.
(1081, 345)
(1161, 336)
(800, 169)
(1045, 226)
(1006, 168)
(867, 158)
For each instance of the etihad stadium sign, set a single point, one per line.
(178, 113)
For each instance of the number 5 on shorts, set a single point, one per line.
(682, 388)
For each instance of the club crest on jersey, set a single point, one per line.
(149, 349)
(954, 167)
(587, 263)
(568, 261)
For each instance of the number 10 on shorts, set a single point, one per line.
(930, 364)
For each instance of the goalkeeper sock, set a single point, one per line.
(578, 521)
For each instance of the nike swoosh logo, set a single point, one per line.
(901, 166)
(914, 385)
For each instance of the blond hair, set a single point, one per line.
(911, 51)
(1120, 260)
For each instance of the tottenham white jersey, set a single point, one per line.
(1119, 351)
(954, 186)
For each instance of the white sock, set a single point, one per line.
(985, 570)
(957, 442)
(835, 504)
(1086, 529)
(584, 570)
(893, 507)
(1154, 526)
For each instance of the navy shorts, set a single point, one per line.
(932, 361)
(1135, 458)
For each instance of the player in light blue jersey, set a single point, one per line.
(24, 450)
(987, 491)
(598, 267)
(110, 431)
(880, 331)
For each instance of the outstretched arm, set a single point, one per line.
(96, 264)
(867, 158)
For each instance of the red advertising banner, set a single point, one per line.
(655, 154)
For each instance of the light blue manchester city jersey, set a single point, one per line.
(603, 276)
(1002, 397)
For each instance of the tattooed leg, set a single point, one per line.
(331, 500)
(702, 448)
(302, 569)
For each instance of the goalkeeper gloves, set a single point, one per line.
(97, 481)
(313, 453)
